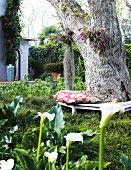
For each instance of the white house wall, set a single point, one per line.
(24, 47)
(3, 4)
(2, 43)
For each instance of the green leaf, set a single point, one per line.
(15, 105)
(58, 122)
(80, 163)
(8, 137)
(83, 164)
(82, 160)
(53, 149)
(13, 130)
(2, 122)
(62, 149)
(42, 163)
(30, 138)
(17, 167)
(88, 135)
(126, 162)
(26, 161)
(91, 165)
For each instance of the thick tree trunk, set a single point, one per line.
(106, 76)
(69, 67)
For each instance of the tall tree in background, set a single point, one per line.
(106, 75)
(68, 62)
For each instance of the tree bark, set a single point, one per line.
(106, 75)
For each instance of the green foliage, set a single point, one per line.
(38, 88)
(51, 51)
(117, 137)
(52, 138)
(125, 161)
(46, 32)
(80, 71)
(58, 123)
(12, 29)
(58, 67)
(128, 56)
(8, 137)
(59, 84)
(3, 121)
(26, 162)
(79, 84)
(15, 105)
(9, 111)
(40, 56)
(83, 164)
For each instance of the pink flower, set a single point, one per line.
(97, 30)
(4, 18)
(83, 34)
(91, 35)
(9, 41)
(98, 45)
(104, 29)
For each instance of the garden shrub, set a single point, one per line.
(39, 56)
(51, 53)
(50, 30)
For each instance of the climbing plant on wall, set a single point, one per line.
(12, 29)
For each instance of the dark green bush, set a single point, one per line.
(50, 30)
(39, 56)
(51, 53)
(58, 67)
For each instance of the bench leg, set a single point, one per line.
(74, 112)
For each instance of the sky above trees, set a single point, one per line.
(36, 15)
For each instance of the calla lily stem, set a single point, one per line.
(49, 165)
(67, 157)
(101, 148)
(39, 142)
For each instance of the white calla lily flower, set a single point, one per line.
(72, 137)
(108, 110)
(46, 114)
(7, 165)
(51, 156)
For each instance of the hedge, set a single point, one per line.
(52, 53)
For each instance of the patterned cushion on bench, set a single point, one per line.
(70, 96)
